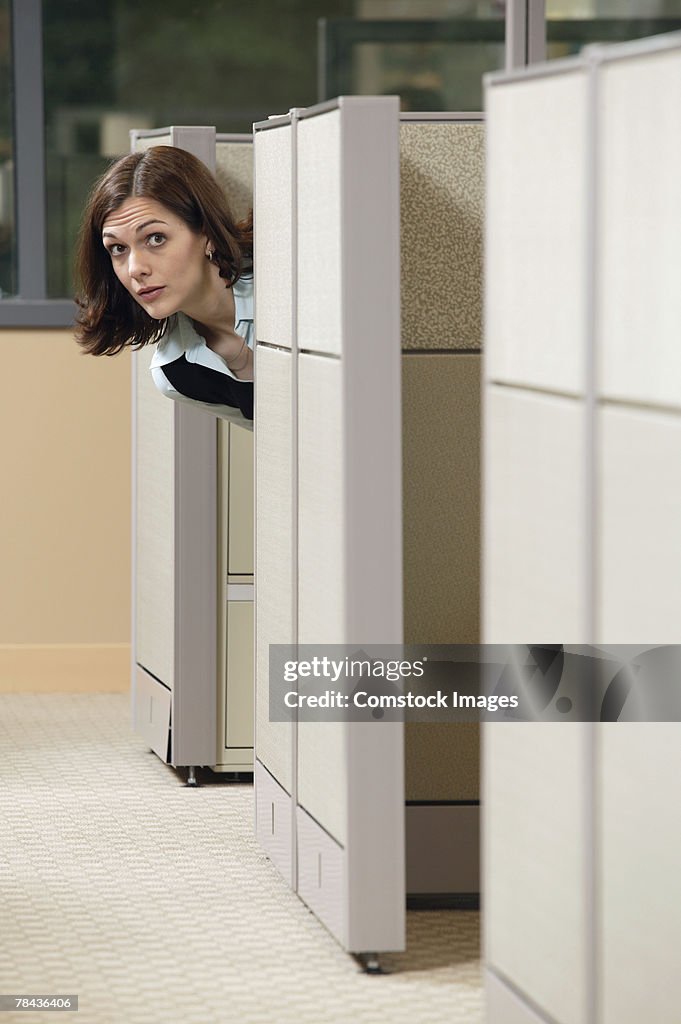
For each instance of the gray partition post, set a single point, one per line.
(175, 558)
(583, 501)
(336, 169)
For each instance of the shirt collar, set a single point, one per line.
(243, 298)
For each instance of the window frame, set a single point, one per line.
(31, 307)
(525, 42)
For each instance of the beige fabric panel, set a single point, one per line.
(234, 171)
(442, 205)
(535, 863)
(640, 238)
(273, 233)
(155, 554)
(535, 253)
(442, 761)
(640, 848)
(441, 498)
(441, 495)
(274, 530)
(320, 269)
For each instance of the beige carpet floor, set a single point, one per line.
(152, 902)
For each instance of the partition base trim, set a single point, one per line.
(152, 712)
(273, 818)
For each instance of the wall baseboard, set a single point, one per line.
(64, 668)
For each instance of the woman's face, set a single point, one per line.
(158, 258)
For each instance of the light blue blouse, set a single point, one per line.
(184, 340)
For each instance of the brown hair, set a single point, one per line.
(109, 319)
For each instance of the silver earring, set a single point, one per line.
(210, 255)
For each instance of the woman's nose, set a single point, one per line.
(138, 266)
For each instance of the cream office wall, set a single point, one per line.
(64, 516)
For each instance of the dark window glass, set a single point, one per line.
(571, 24)
(124, 64)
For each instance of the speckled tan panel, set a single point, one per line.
(441, 497)
(442, 201)
(441, 505)
(234, 171)
(442, 761)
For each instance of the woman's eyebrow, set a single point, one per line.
(111, 234)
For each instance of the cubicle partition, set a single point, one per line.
(367, 441)
(193, 541)
(328, 535)
(581, 536)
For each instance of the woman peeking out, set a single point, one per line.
(161, 260)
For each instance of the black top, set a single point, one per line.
(205, 385)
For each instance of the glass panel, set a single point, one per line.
(8, 285)
(135, 63)
(433, 63)
(573, 23)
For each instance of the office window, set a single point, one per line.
(137, 63)
(432, 54)
(570, 24)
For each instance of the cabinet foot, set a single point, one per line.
(191, 778)
(370, 963)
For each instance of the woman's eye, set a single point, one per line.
(116, 249)
(156, 239)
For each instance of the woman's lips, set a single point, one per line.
(151, 294)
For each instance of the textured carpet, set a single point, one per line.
(152, 902)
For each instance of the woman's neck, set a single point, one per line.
(215, 314)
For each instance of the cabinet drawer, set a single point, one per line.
(240, 674)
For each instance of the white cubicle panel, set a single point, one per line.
(273, 268)
(534, 518)
(534, 568)
(193, 563)
(611, 802)
(274, 538)
(320, 247)
(639, 848)
(639, 541)
(344, 463)
(535, 864)
(639, 301)
(638, 316)
(535, 237)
